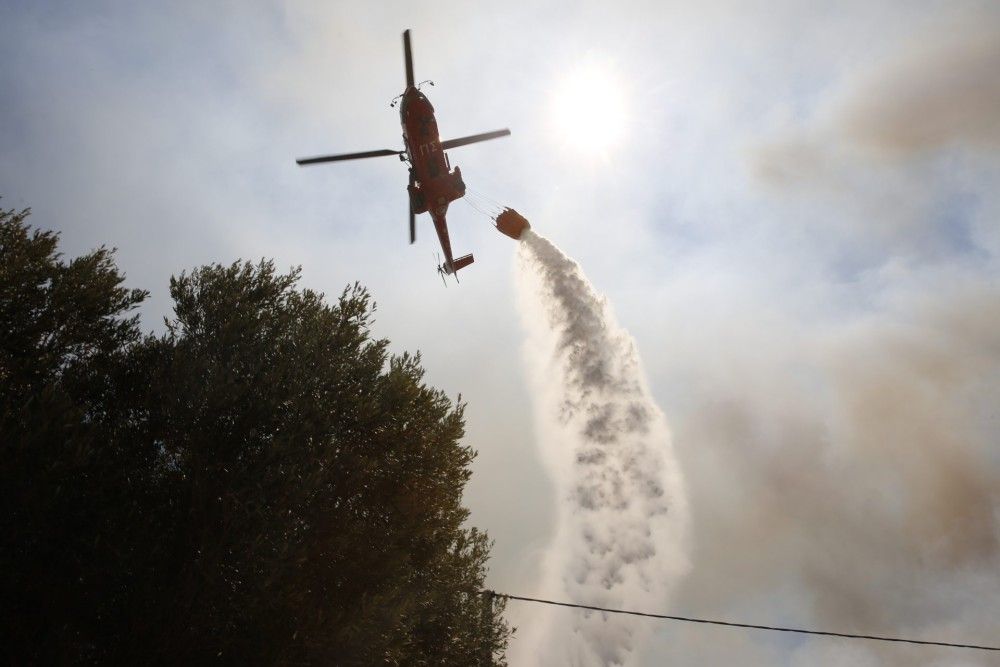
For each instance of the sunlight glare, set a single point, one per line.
(588, 110)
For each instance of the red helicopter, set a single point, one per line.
(433, 184)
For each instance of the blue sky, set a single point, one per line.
(798, 224)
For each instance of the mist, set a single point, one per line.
(622, 513)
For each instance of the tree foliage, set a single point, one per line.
(263, 483)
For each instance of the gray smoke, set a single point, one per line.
(622, 512)
(939, 90)
(847, 472)
(847, 477)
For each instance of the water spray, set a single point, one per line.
(622, 514)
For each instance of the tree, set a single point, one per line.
(62, 331)
(264, 483)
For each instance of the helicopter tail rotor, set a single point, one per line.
(453, 267)
(442, 271)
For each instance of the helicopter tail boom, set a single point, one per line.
(455, 265)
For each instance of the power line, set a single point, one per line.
(751, 626)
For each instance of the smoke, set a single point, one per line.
(941, 88)
(845, 470)
(936, 91)
(847, 478)
(622, 512)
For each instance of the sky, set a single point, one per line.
(792, 207)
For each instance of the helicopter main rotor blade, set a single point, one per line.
(475, 138)
(413, 216)
(346, 156)
(408, 54)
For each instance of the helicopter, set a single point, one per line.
(433, 183)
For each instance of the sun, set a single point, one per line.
(588, 111)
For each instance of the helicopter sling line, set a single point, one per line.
(480, 208)
(750, 626)
(483, 204)
(483, 197)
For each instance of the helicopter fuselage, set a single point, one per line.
(433, 184)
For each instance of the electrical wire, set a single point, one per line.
(751, 626)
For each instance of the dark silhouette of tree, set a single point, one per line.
(262, 484)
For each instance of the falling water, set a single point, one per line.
(621, 523)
